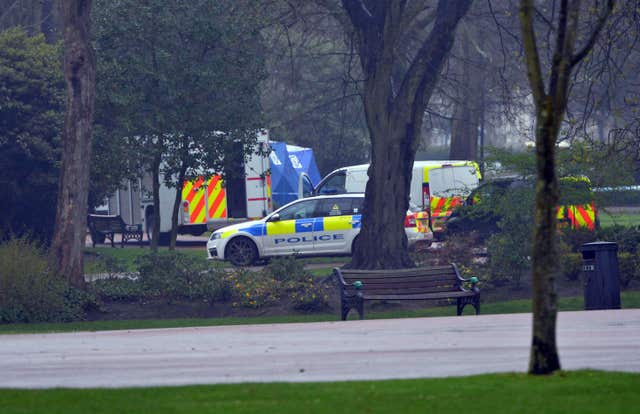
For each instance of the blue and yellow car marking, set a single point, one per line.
(300, 226)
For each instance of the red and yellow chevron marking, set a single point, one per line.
(578, 216)
(193, 193)
(268, 191)
(422, 221)
(217, 198)
(441, 208)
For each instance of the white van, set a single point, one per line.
(436, 186)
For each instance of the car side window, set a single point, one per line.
(336, 207)
(334, 185)
(304, 209)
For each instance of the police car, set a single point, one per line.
(310, 226)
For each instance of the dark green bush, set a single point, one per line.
(575, 238)
(629, 268)
(170, 275)
(30, 292)
(254, 289)
(173, 276)
(571, 265)
(118, 289)
(308, 295)
(286, 268)
(628, 238)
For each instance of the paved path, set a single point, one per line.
(329, 351)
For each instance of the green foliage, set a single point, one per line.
(31, 117)
(309, 295)
(254, 289)
(571, 265)
(118, 289)
(285, 268)
(30, 292)
(628, 238)
(171, 74)
(174, 276)
(628, 268)
(575, 238)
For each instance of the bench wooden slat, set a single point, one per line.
(427, 281)
(384, 274)
(409, 288)
(418, 296)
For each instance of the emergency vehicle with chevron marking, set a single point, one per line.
(437, 187)
(205, 202)
(323, 225)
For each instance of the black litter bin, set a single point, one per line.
(600, 275)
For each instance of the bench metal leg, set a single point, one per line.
(348, 303)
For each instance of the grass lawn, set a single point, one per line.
(565, 392)
(622, 219)
(630, 299)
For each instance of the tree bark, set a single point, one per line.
(550, 109)
(177, 201)
(466, 115)
(79, 71)
(394, 118)
(155, 185)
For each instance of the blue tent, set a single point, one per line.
(303, 160)
(287, 163)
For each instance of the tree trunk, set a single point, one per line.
(382, 242)
(155, 185)
(73, 190)
(544, 357)
(394, 118)
(464, 128)
(177, 201)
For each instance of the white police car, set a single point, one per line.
(310, 226)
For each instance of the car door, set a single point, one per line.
(337, 225)
(291, 230)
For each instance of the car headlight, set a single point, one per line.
(215, 236)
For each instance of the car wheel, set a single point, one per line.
(241, 251)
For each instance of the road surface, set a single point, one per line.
(327, 351)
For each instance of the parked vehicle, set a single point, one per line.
(322, 225)
(213, 203)
(437, 187)
(485, 206)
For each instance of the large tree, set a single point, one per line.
(175, 75)
(73, 190)
(31, 117)
(397, 87)
(551, 97)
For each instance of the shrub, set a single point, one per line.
(254, 289)
(509, 257)
(30, 292)
(628, 238)
(628, 268)
(571, 265)
(575, 238)
(286, 268)
(170, 275)
(118, 289)
(309, 295)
